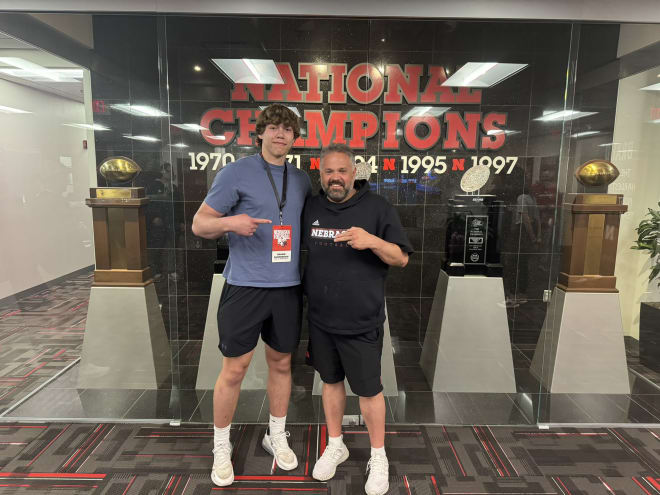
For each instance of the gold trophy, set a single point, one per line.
(120, 238)
(581, 348)
(591, 232)
(125, 344)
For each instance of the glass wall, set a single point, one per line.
(473, 319)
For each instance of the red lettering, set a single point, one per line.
(400, 83)
(288, 91)
(242, 92)
(210, 116)
(332, 132)
(365, 125)
(458, 164)
(315, 163)
(426, 142)
(391, 119)
(337, 75)
(456, 126)
(247, 123)
(495, 140)
(376, 83)
(435, 92)
(388, 163)
(313, 73)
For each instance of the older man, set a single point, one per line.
(352, 236)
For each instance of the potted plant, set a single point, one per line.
(648, 239)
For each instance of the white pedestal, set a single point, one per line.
(125, 344)
(467, 346)
(387, 373)
(581, 347)
(210, 360)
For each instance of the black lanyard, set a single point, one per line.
(280, 202)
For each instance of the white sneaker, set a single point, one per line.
(222, 473)
(326, 466)
(378, 481)
(277, 446)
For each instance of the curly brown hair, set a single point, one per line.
(277, 114)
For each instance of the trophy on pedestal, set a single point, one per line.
(466, 346)
(581, 347)
(472, 242)
(125, 343)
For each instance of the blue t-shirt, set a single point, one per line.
(244, 187)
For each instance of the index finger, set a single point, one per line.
(262, 220)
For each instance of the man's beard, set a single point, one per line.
(336, 195)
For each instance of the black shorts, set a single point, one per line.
(275, 313)
(356, 357)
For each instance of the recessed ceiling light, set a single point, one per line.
(584, 134)
(652, 87)
(425, 111)
(249, 70)
(197, 68)
(482, 74)
(150, 139)
(553, 115)
(139, 110)
(31, 67)
(4, 109)
(93, 127)
(508, 132)
(190, 127)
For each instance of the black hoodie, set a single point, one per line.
(345, 287)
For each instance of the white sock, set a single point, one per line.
(336, 441)
(380, 451)
(221, 435)
(276, 425)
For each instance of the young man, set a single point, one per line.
(352, 236)
(257, 201)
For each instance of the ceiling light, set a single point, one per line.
(4, 109)
(31, 67)
(652, 87)
(139, 110)
(64, 75)
(93, 127)
(179, 145)
(190, 127)
(293, 109)
(142, 138)
(482, 74)
(197, 68)
(508, 132)
(425, 111)
(553, 115)
(608, 144)
(249, 70)
(584, 134)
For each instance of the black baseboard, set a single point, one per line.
(45, 285)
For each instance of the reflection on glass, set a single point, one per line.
(249, 71)
(482, 74)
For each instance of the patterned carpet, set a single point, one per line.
(136, 459)
(40, 335)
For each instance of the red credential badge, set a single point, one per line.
(281, 243)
